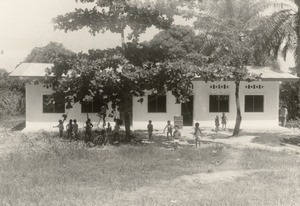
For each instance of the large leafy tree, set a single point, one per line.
(279, 34)
(227, 26)
(114, 75)
(48, 53)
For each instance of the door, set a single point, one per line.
(187, 112)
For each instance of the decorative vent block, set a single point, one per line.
(253, 86)
(219, 86)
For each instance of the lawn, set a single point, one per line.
(40, 169)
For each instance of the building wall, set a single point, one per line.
(36, 119)
(202, 90)
(268, 118)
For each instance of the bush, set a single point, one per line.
(295, 123)
(11, 102)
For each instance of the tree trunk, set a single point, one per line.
(123, 41)
(127, 125)
(297, 51)
(125, 108)
(238, 120)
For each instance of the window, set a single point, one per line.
(91, 107)
(254, 103)
(219, 103)
(53, 104)
(157, 103)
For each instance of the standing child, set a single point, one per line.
(197, 134)
(224, 121)
(108, 128)
(176, 136)
(69, 128)
(75, 129)
(169, 128)
(150, 129)
(88, 131)
(60, 128)
(217, 124)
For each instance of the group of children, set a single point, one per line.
(223, 122)
(197, 131)
(73, 131)
(176, 134)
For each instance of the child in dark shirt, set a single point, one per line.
(88, 130)
(150, 129)
(69, 128)
(60, 128)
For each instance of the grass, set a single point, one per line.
(40, 169)
(44, 170)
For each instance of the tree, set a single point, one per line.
(109, 74)
(48, 53)
(228, 27)
(289, 96)
(279, 32)
(12, 99)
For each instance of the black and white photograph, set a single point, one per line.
(150, 102)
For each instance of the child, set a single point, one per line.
(101, 139)
(224, 121)
(176, 136)
(75, 129)
(170, 129)
(217, 123)
(60, 128)
(197, 134)
(108, 128)
(88, 130)
(150, 129)
(102, 115)
(69, 128)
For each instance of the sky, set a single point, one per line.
(26, 24)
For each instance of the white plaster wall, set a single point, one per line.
(36, 119)
(159, 120)
(202, 90)
(268, 118)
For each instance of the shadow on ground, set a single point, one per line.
(19, 127)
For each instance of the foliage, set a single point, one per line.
(113, 75)
(48, 53)
(289, 96)
(12, 99)
(227, 26)
(115, 16)
(278, 33)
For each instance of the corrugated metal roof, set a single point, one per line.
(38, 70)
(268, 73)
(30, 70)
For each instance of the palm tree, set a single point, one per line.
(231, 26)
(279, 32)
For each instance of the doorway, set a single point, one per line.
(187, 112)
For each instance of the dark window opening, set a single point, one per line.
(219, 103)
(93, 106)
(157, 103)
(254, 103)
(53, 105)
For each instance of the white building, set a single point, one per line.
(259, 102)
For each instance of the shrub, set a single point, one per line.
(11, 102)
